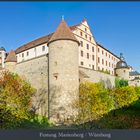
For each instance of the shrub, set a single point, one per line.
(124, 96)
(35, 122)
(120, 83)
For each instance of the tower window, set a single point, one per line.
(85, 29)
(85, 36)
(81, 33)
(82, 53)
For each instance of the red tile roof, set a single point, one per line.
(39, 41)
(11, 57)
(62, 32)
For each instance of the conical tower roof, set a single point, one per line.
(11, 57)
(63, 32)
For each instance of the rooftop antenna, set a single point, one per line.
(121, 56)
(62, 17)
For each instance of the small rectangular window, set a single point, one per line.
(88, 46)
(82, 63)
(22, 54)
(98, 59)
(82, 53)
(93, 67)
(92, 49)
(81, 33)
(92, 57)
(27, 53)
(88, 55)
(81, 42)
(103, 61)
(98, 50)
(102, 52)
(43, 48)
(90, 38)
(109, 64)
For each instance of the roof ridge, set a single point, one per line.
(39, 40)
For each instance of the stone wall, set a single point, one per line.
(96, 76)
(36, 72)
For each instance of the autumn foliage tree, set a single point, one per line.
(15, 98)
(94, 101)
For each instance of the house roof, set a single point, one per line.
(38, 41)
(11, 57)
(63, 32)
(2, 49)
(107, 50)
(133, 73)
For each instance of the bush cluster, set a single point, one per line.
(95, 100)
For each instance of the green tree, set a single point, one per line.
(15, 100)
(94, 101)
(120, 83)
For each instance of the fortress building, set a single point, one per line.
(55, 65)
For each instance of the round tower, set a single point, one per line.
(2, 56)
(122, 70)
(10, 62)
(63, 74)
